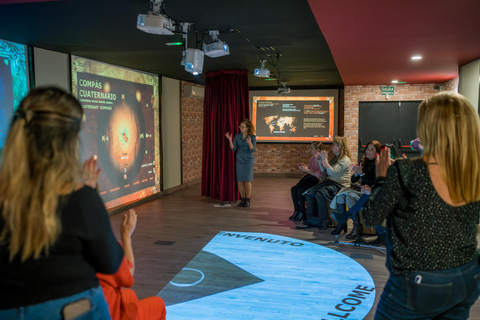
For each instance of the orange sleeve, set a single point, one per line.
(121, 278)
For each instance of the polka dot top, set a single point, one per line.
(423, 231)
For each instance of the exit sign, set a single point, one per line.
(388, 90)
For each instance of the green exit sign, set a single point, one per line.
(388, 90)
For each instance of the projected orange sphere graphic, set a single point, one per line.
(123, 130)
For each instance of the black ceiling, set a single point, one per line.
(105, 30)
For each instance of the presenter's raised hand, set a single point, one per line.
(90, 172)
(228, 135)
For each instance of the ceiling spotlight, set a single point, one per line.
(394, 81)
(283, 89)
(216, 48)
(416, 58)
(262, 72)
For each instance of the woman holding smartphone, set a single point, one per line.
(431, 205)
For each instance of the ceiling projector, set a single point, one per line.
(194, 61)
(155, 24)
(261, 72)
(216, 49)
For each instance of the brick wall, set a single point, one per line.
(280, 157)
(192, 133)
(451, 85)
(284, 158)
(403, 92)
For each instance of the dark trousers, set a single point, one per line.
(440, 294)
(298, 189)
(317, 207)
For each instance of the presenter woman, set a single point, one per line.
(55, 234)
(244, 142)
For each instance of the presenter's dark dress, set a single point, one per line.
(245, 159)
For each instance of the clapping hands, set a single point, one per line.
(90, 172)
(366, 190)
(128, 224)
(323, 154)
(383, 162)
(302, 167)
(356, 168)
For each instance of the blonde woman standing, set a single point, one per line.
(431, 205)
(244, 143)
(55, 233)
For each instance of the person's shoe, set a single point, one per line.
(294, 216)
(356, 230)
(305, 222)
(308, 225)
(360, 241)
(354, 234)
(241, 203)
(339, 229)
(379, 241)
(247, 202)
(325, 224)
(300, 216)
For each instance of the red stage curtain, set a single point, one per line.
(225, 106)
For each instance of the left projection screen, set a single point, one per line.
(13, 82)
(121, 126)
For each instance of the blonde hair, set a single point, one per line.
(39, 164)
(251, 128)
(343, 143)
(449, 129)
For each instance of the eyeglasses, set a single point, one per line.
(241, 127)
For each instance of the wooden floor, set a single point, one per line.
(184, 222)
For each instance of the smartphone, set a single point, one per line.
(76, 309)
(393, 151)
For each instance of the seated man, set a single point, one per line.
(123, 303)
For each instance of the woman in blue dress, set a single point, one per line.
(244, 142)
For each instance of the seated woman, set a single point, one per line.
(337, 169)
(363, 174)
(312, 174)
(55, 234)
(123, 303)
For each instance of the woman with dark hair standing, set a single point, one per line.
(431, 205)
(244, 142)
(55, 233)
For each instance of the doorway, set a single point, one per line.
(390, 122)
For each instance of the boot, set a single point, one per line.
(247, 202)
(339, 228)
(300, 216)
(294, 216)
(325, 224)
(379, 241)
(356, 231)
(241, 203)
